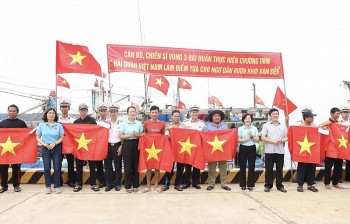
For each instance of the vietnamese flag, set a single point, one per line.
(181, 105)
(75, 59)
(62, 82)
(85, 141)
(304, 144)
(159, 82)
(17, 146)
(187, 147)
(183, 84)
(338, 145)
(219, 145)
(280, 102)
(155, 153)
(259, 101)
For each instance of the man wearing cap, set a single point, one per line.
(196, 124)
(102, 114)
(64, 118)
(307, 170)
(274, 135)
(113, 178)
(215, 117)
(330, 162)
(344, 111)
(85, 119)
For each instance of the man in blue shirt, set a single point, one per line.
(215, 117)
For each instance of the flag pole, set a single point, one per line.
(178, 93)
(146, 102)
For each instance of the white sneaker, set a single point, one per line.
(58, 190)
(48, 190)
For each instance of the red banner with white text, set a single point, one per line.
(194, 62)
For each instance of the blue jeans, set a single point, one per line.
(56, 155)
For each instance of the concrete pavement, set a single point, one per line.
(193, 206)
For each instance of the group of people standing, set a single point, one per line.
(123, 148)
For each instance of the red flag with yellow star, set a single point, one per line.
(187, 147)
(280, 102)
(75, 59)
(183, 84)
(155, 153)
(181, 105)
(159, 82)
(62, 82)
(304, 144)
(17, 146)
(219, 145)
(85, 141)
(259, 101)
(338, 145)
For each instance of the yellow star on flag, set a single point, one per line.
(217, 145)
(306, 145)
(342, 141)
(77, 58)
(83, 142)
(186, 146)
(184, 83)
(159, 81)
(153, 152)
(8, 146)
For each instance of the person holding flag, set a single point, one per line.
(175, 123)
(129, 132)
(50, 135)
(329, 161)
(65, 118)
(11, 122)
(345, 121)
(307, 170)
(196, 124)
(274, 135)
(215, 117)
(153, 126)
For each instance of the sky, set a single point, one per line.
(313, 37)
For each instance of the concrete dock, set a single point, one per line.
(33, 205)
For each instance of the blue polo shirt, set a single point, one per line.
(211, 127)
(127, 127)
(49, 134)
(242, 133)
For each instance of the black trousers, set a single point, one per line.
(179, 173)
(306, 171)
(93, 166)
(16, 175)
(79, 166)
(246, 153)
(71, 173)
(329, 162)
(347, 170)
(194, 174)
(113, 177)
(270, 160)
(131, 156)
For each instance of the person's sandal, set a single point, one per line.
(158, 190)
(338, 186)
(300, 189)
(77, 188)
(327, 186)
(312, 188)
(145, 190)
(3, 189)
(17, 189)
(95, 188)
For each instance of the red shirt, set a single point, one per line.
(154, 127)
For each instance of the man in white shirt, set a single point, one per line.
(196, 124)
(65, 118)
